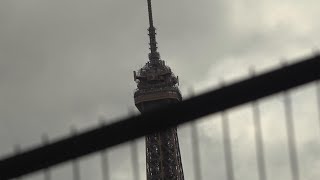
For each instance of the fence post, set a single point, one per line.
(196, 151)
(45, 141)
(258, 137)
(75, 163)
(293, 157)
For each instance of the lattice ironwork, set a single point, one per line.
(163, 156)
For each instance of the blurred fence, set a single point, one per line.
(99, 140)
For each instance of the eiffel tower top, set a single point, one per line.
(155, 80)
(154, 55)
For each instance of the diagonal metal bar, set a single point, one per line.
(156, 120)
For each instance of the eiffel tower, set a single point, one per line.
(158, 86)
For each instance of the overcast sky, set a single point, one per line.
(69, 63)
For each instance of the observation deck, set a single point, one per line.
(155, 81)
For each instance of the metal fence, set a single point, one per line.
(98, 142)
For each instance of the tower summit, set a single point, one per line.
(154, 55)
(158, 86)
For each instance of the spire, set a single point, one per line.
(154, 55)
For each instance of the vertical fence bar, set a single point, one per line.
(259, 141)
(195, 146)
(134, 160)
(104, 159)
(318, 101)
(196, 152)
(47, 174)
(104, 165)
(75, 163)
(227, 146)
(17, 150)
(291, 137)
(134, 152)
(75, 170)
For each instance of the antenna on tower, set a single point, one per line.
(154, 55)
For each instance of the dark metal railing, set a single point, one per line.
(128, 129)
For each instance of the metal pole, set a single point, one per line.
(259, 142)
(227, 146)
(75, 164)
(45, 141)
(258, 137)
(196, 152)
(294, 165)
(134, 159)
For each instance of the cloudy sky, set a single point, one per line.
(69, 63)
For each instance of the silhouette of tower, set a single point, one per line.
(158, 86)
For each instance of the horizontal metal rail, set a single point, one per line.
(127, 129)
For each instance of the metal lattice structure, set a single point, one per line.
(157, 86)
(163, 156)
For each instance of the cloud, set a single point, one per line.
(66, 63)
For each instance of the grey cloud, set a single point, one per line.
(66, 63)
